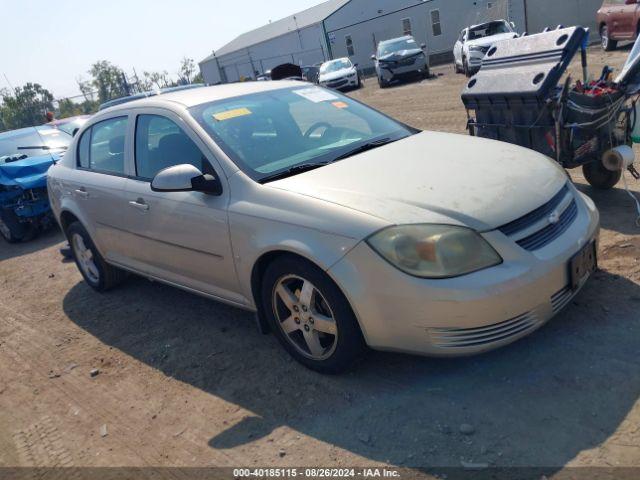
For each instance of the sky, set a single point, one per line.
(55, 42)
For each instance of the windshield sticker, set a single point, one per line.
(229, 114)
(340, 105)
(316, 95)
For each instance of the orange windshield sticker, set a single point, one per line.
(340, 105)
(229, 114)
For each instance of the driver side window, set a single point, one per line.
(160, 144)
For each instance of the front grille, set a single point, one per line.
(537, 229)
(481, 336)
(548, 234)
(338, 83)
(561, 299)
(407, 62)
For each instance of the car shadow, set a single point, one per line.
(43, 241)
(539, 402)
(617, 209)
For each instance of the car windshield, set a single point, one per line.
(272, 132)
(335, 65)
(32, 141)
(396, 46)
(488, 30)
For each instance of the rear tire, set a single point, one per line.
(11, 229)
(382, 83)
(98, 274)
(318, 329)
(608, 45)
(600, 177)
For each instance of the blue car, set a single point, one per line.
(25, 156)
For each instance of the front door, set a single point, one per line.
(179, 237)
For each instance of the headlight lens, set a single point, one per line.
(475, 48)
(434, 251)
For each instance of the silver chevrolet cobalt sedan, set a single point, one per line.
(340, 227)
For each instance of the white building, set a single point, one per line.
(341, 28)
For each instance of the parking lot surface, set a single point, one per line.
(184, 381)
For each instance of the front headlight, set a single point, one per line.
(434, 251)
(475, 48)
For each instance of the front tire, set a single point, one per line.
(608, 45)
(599, 176)
(310, 316)
(98, 274)
(465, 67)
(11, 229)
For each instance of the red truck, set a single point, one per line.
(618, 20)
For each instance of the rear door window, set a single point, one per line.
(101, 148)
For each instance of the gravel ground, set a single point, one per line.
(183, 381)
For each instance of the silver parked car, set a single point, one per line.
(338, 225)
(400, 58)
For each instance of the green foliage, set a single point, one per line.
(109, 81)
(25, 106)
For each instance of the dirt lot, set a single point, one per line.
(184, 381)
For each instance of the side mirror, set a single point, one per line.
(513, 25)
(423, 46)
(373, 57)
(355, 65)
(185, 178)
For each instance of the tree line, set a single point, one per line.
(27, 105)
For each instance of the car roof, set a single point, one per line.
(198, 96)
(150, 93)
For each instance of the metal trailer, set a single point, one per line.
(519, 96)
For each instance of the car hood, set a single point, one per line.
(488, 41)
(28, 173)
(437, 178)
(327, 77)
(399, 55)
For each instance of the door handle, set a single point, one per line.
(140, 205)
(81, 192)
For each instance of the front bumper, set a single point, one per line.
(470, 314)
(474, 59)
(344, 83)
(392, 71)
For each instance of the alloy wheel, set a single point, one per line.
(305, 317)
(84, 255)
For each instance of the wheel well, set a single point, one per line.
(66, 219)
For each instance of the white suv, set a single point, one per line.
(474, 42)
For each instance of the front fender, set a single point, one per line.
(252, 238)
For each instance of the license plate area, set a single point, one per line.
(582, 265)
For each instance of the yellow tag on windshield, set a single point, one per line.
(229, 114)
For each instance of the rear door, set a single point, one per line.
(180, 237)
(99, 181)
